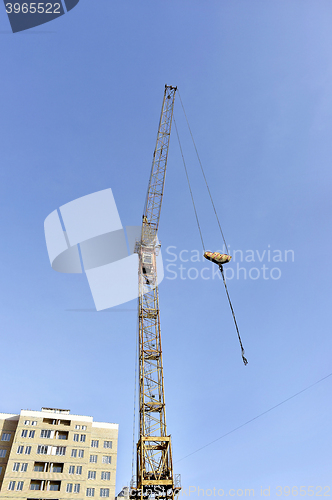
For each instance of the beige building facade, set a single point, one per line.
(51, 454)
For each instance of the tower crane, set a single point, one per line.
(154, 467)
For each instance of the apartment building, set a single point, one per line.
(51, 454)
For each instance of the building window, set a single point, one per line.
(3, 452)
(77, 426)
(5, 437)
(92, 474)
(90, 492)
(34, 422)
(16, 467)
(57, 468)
(62, 435)
(51, 421)
(54, 486)
(0, 470)
(107, 459)
(80, 453)
(24, 467)
(19, 486)
(74, 453)
(11, 485)
(31, 434)
(26, 422)
(20, 449)
(24, 433)
(106, 476)
(45, 433)
(83, 427)
(79, 469)
(104, 492)
(60, 450)
(94, 443)
(35, 485)
(42, 450)
(107, 444)
(72, 469)
(76, 437)
(77, 488)
(69, 488)
(27, 450)
(93, 459)
(83, 437)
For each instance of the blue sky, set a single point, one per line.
(80, 104)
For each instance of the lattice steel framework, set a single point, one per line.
(154, 466)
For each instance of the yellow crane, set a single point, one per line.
(154, 467)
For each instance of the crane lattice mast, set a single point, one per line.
(154, 466)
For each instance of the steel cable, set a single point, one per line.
(245, 361)
(205, 179)
(191, 193)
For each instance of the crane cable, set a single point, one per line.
(244, 359)
(202, 169)
(191, 193)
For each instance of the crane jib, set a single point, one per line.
(155, 190)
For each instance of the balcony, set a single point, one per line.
(52, 467)
(56, 421)
(40, 485)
